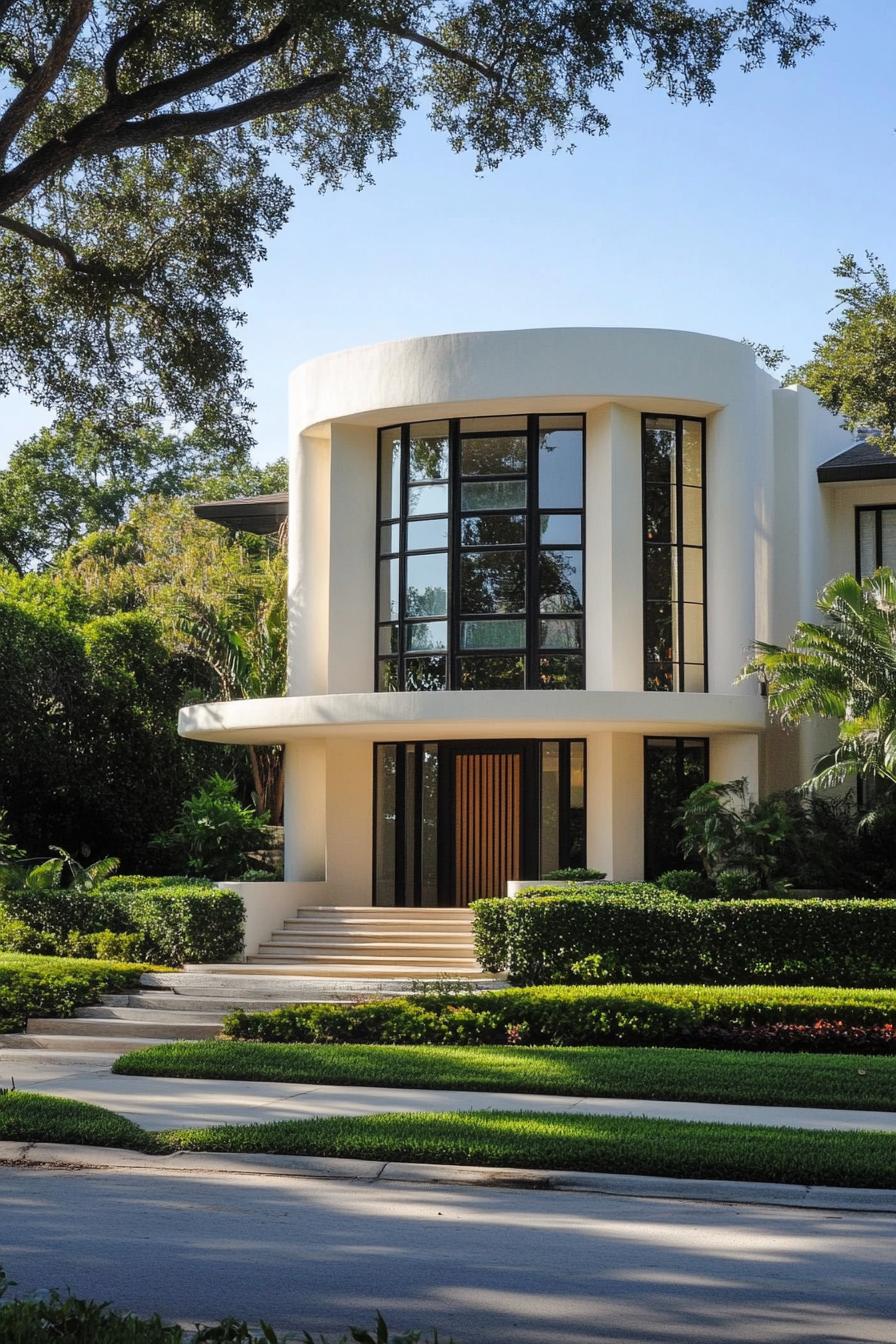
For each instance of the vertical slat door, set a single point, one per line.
(487, 795)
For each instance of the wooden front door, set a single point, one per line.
(488, 821)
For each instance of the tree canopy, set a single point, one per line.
(139, 141)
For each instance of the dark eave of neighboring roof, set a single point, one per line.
(264, 514)
(862, 462)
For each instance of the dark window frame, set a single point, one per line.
(532, 548)
(678, 547)
(878, 510)
(679, 780)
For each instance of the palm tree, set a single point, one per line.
(844, 669)
(246, 651)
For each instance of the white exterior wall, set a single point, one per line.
(774, 536)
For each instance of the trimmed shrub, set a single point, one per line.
(736, 884)
(56, 986)
(178, 922)
(634, 1014)
(687, 882)
(575, 875)
(664, 937)
(105, 946)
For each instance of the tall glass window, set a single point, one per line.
(875, 540)
(673, 768)
(673, 468)
(481, 561)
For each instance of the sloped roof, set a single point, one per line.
(864, 461)
(263, 514)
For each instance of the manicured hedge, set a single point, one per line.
(56, 986)
(566, 1015)
(651, 935)
(171, 920)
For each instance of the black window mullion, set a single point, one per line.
(878, 538)
(533, 552)
(403, 557)
(454, 551)
(679, 549)
(399, 866)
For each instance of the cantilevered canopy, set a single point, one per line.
(264, 514)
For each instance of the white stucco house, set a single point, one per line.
(526, 568)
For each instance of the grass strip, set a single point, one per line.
(573, 1143)
(31, 1117)
(852, 1082)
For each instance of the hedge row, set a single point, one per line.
(645, 934)
(55, 986)
(166, 920)
(564, 1015)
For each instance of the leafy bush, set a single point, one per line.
(182, 921)
(687, 882)
(725, 828)
(105, 946)
(736, 884)
(46, 903)
(575, 875)
(665, 937)
(33, 986)
(826, 1037)
(214, 832)
(633, 1014)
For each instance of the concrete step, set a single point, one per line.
(347, 956)
(280, 981)
(385, 912)
(146, 1027)
(216, 1004)
(346, 969)
(363, 941)
(207, 1015)
(57, 1043)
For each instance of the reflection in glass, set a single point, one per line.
(673, 768)
(429, 825)
(560, 581)
(560, 634)
(493, 581)
(483, 673)
(692, 511)
(390, 535)
(494, 424)
(658, 632)
(390, 473)
(575, 840)
(388, 590)
(496, 529)
(561, 529)
(493, 634)
(427, 499)
(428, 452)
(562, 672)
(426, 585)
(560, 469)
(410, 777)
(550, 807)
(425, 674)
(385, 837)
(867, 542)
(428, 535)
(493, 495)
(387, 674)
(504, 455)
(659, 504)
(692, 452)
(388, 639)
(659, 449)
(423, 635)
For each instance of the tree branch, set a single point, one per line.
(123, 44)
(439, 49)
(44, 77)
(134, 134)
(47, 240)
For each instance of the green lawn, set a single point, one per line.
(857, 1082)
(494, 1138)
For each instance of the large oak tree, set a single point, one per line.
(138, 143)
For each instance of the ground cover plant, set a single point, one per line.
(648, 934)
(638, 1014)
(30, 1117)
(566, 1141)
(55, 986)
(847, 1081)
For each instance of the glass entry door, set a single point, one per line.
(488, 821)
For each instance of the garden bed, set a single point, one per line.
(56, 986)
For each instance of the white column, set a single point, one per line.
(614, 635)
(350, 821)
(305, 811)
(615, 805)
(730, 548)
(352, 559)
(309, 568)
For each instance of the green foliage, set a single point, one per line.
(575, 875)
(844, 670)
(36, 986)
(130, 218)
(726, 829)
(687, 882)
(185, 923)
(853, 367)
(736, 884)
(30, 1117)
(570, 1015)
(214, 832)
(667, 937)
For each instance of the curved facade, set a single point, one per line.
(525, 570)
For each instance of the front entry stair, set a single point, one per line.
(324, 955)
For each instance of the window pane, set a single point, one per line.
(390, 473)
(491, 673)
(671, 772)
(691, 452)
(867, 542)
(561, 422)
(562, 672)
(426, 590)
(386, 822)
(658, 633)
(428, 534)
(388, 639)
(659, 449)
(487, 424)
(693, 632)
(493, 495)
(692, 508)
(560, 634)
(390, 538)
(659, 572)
(387, 674)
(427, 635)
(888, 538)
(693, 574)
(388, 590)
(660, 677)
(425, 674)
(550, 807)
(493, 634)
(427, 499)
(498, 529)
(493, 581)
(410, 771)
(505, 455)
(575, 854)
(561, 529)
(428, 455)
(560, 581)
(560, 469)
(659, 503)
(694, 677)
(429, 824)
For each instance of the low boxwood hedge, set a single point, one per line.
(651, 935)
(565, 1015)
(56, 986)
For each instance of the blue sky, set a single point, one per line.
(725, 219)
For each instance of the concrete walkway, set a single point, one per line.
(166, 1103)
